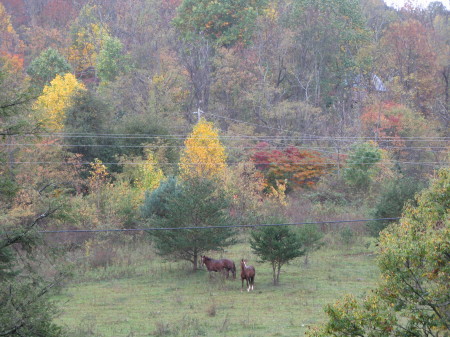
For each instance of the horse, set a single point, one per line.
(248, 274)
(219, 265)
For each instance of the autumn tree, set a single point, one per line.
(412, 297)
(222, 22)
(88, 38)
(193, 202)
(407, 57)
(204, 155)
(10, 43)
(55, 99)
(299, 168)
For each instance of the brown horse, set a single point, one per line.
(219, 265)
(248, 274)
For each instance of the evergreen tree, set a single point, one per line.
(277, 245)
(195, 202)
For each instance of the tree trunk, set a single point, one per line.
(195, 260)
(274, 274)
(278, 273)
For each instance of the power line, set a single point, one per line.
(184, 136)
(206, 146)
(306, 163)
(210, 227)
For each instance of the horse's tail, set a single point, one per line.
(234, 271)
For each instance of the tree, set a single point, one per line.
(203, 156)
(412, 297)
(89, 114)
(395, 195)
(50, 63)
(310, 237)
(327, 37)
(112, 61)
(15, 102)
(55, 99)
(298, 168)
(10, 44)
(195, 202)
(361, 164)
(408, 58)
(277, 245)
(225, 22)
(24, 295)
(88, 38)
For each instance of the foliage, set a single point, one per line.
(225, 22)
(111, 60)
(89, 114)
(10, 44)
(24, 289)
(15, 101)
(277, 245)
(311, 238)
(47, 65)
(88, 38)
(298, 168)
(195, 202)
(55, 99)
(361, 164)
(327, 37)
(395, 195)
(203, 156)
(411, 63)
(246, 184)
(412, 298)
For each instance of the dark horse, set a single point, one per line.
(219, 265)
(248, 274)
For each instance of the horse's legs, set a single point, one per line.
(248, 283)
(242, 288)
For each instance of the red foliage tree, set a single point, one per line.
(299, 168)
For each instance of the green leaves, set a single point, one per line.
(412, 298)
(361, 164)
(47, 65)
(195, 202)
(277, 245)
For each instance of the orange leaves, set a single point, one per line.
(297, 167)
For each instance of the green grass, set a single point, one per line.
(146, 296)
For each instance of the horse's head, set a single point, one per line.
(203, 260)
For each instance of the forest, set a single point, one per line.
(297, 130)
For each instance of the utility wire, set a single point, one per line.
(306, 163)
(184, 136)
(210, 227)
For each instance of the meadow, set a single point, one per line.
(127, 290)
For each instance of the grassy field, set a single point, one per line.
(141, 295)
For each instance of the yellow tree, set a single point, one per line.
(204, 155)
(55, 98)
